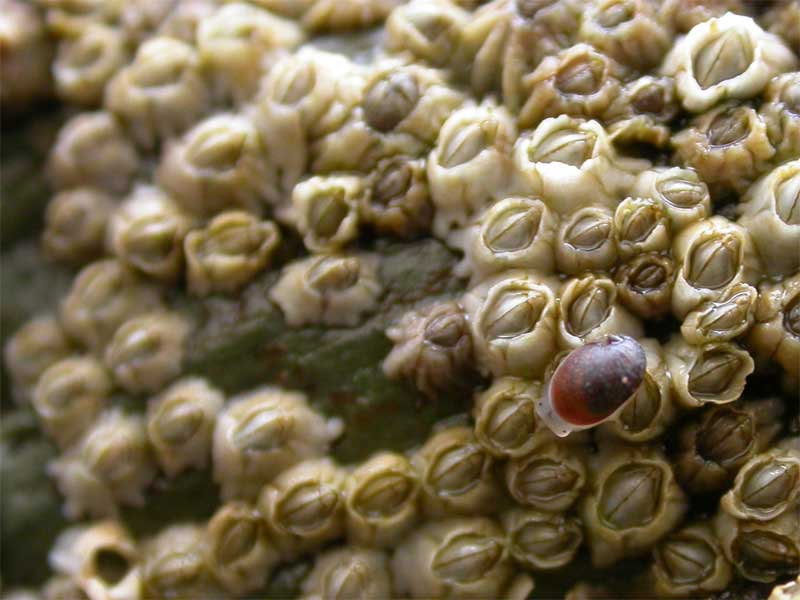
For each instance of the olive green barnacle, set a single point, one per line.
(349, 572)
(238, 550)
(505, 417)
(542, 540)
(776, 333)
(632, 502)
(146, 351)
(644, 284)
(146, 232)
(180, 424)
(433, 347)
(326, 210)
(683, 194)
(69, 396)
(335, 289)
(93, 150)
(399, 201)
(457, 558)
(690, 561)
(228, 252)
(304, 506)
(455, 474)
(75, 224)
(260, 434)
(725, 57)
(729, 317)
(381, 501)
(31, 350)
(161, 93)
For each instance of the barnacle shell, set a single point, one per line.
(513, 317)
(326, 210)
(771, 212)
(381, 500)
(161, 93)
(333, 15)
(541, 540)
(722, 320)
(146, 232)
(685, 14)
(642, 112)
(430, 30)
(645, 283)
(683, 195)
(334, 290)
(505, 417)
(260, 434)
(586, 241)
(349, 572)
(433, 347)
(641, 225)
(183, 19)
(781, 112)
(725, 57)
(781, 19)
(632, 502)
(27, 56)
(75, 224)
(455, 474)
(225, 255)
(457, 558)
(180, 423)
(399, 201)
(69, 17)
(304, 506)
(712, 447)
(69, 396)
(776, 333)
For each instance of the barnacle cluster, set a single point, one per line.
(594, 170)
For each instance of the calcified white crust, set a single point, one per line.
(757, 56)
(77, 552)
(262, 433)
(335, 290)
(350, 572)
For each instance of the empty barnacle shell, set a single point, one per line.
(349, 572)
(75, 224)
(592, 383)
(643, 112)
(513, 318)
(304, 506)
(725, 57)
(85, 64)
(33, 348)
(690, 561)
(111, 466)
(761, 550)
(710, 256)
(514, 233)
(651, 409)
(381, 500)
(641, 225)
(147, 232)
(174, 564)
(505, 417)
(260, 434)
(69, 396)
(101, 558)
(589, 310)
(433, 347)
(541, 540)
(219, 164)
(645, 283)
(729, 317)
(335, 290)
(103, 295)
(228, 252)
(776, 333)
(457, 558)
(770, 210)
(398, 203)
(455, 474)
(781, 112)
(92, 150)
(712, 448)
(470, 163)
(326, 210)
(180, 424)
(238, 550)
(629, 31)
(632, 502)
(146, 351)
(550, 478)
(713, 373)
(161, 93)
(766, 486)
(728, 145)
(579, 82)
(684, 196)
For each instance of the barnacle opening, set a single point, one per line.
(589, 232)
(466, 557)
(218, 148)
(238, 539)
(648, 275)
(631, 496)
(714, 261)
(544, 479)
(390, 100)
(458, 469)
(791, 316)
(581, 76)
(383, 494)
(686, 560)
(514, 313)
(729, 127)
(787, 199)
(682, 193)
(545, 540)
(640, 411)
(571, 146)
(111, 565)
(510, 422)
(332, 274)
(764, 555)
(726, 436)
(590, 307)
(307, 507)
(514, 229)
(724, 56)
(714, 372)
(769, 484)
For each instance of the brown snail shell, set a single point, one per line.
(592, 383)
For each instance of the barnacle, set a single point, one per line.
(682, 192)
(349, 572)
(505, 417)
(332, 15)
(781, 112)
(643, 111)
(326, 210)
(541, 540)
(723, 320)
(776, 333)
(644, 284)
(75, 224)
(780, 19)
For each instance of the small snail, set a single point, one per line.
(592, 383)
